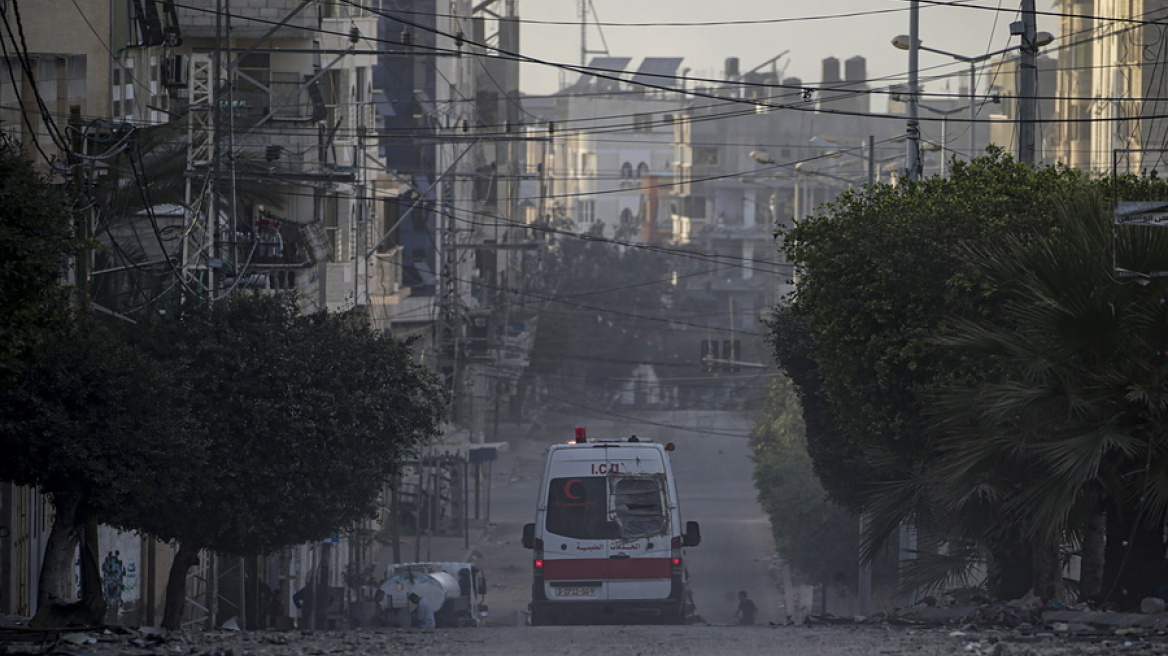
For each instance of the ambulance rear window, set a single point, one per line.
(578, 508)
(639, 506)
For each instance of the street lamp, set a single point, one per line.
(801, 171)
(945, 114)
(904, 42)
(875, 164)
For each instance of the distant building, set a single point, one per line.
(612, 148)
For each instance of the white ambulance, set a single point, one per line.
(608, 536)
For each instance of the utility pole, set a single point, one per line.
(913, 132)
(1027, 77)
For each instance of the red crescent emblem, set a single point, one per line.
(568, 489)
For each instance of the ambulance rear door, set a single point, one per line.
(640, 559)
(576, 528)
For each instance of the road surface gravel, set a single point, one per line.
(869, 639)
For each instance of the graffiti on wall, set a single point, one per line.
(118, 562)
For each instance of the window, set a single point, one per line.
(253, 86)
(639, 506)
(601, 508)
(642, 122)
(578, 508)
(587, 164)
(626, 171)
(695, 207)
(585, 211)
(705, 155)
(642, 170)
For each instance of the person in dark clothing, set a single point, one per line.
(310, 598)
(746, 609)
(275, 609)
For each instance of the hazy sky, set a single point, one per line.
(756, 30)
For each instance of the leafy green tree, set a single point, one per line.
(816, 537)
(882, 274)
(305, 418)
(36, 240)
(84, 418)
(90, 422)
(843, 461)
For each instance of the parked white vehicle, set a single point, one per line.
(608, 536)
(454, 590)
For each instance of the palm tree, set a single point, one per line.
(1071, 429)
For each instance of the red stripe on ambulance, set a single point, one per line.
(587, 569)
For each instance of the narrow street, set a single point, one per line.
(714, 477)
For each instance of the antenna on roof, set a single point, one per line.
(585, 5)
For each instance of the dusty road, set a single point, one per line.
(732, 555)
(611, 641)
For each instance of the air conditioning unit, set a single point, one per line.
(175, 71)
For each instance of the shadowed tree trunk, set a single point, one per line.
(1048, 572)
(1091, 550)
(57, 569)
(176, 586)
(89, 610)
(1010, 568)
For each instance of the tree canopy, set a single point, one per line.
(36, 239)
(241, 426)
(305, 418)
(884, 274)
(815, 537)
(1072, 429)
(89, 421)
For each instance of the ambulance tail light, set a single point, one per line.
(537, 563)
(675, 563)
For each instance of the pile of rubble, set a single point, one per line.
(1030, 621)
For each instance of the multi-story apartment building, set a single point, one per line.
(267, 106)
(613, 132)
(752, 156)
(1127, 89)
(1076, 52)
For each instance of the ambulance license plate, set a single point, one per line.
(580, 591)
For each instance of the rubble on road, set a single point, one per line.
(893, 635)
(1018, 623)
(127, 641)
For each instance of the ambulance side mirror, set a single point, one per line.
(693, 535)
(529, 536)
